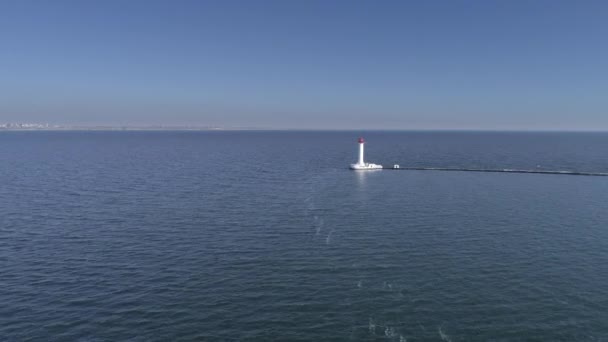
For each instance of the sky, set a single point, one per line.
(330, 64)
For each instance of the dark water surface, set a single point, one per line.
(266, 236)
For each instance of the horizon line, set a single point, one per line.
(195, 128)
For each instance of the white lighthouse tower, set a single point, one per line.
(361, 165)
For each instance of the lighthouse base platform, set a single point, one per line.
(366, 166)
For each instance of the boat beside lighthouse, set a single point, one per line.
(361, 164)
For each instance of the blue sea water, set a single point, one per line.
(267, 236)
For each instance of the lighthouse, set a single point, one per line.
(361, 165)
(361, 148)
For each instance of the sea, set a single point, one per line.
(268, 236)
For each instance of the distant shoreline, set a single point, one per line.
(118, 128)
(236, 129)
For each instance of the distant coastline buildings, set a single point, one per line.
(18, 126)
(46, 126)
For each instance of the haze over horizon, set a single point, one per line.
(493, 65)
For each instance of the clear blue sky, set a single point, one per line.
(307, 64)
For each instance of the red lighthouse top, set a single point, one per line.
(361, 141)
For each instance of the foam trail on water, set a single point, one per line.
(444, 336)
(328, 238)
(545, 172)
(389, 332)
(372, 326)
(319, 224)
